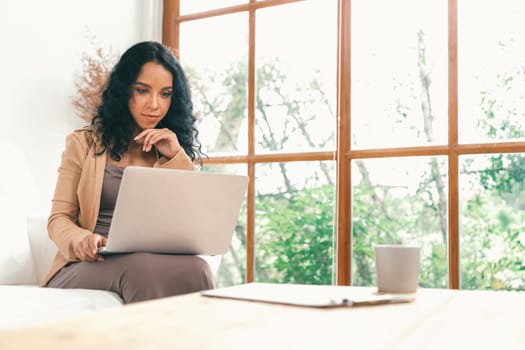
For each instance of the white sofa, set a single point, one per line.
(24, 260)
(26, 253)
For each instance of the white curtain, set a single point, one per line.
(152, 20)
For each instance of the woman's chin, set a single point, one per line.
(144, 126)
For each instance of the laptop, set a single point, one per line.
(175, 212)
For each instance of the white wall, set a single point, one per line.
(41, 42)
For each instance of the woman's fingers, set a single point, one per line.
(79, 252)
(164, 140)
(156, 138)
(155, 135)
(87, 249)
(148, 139)
(144, 137)
(93, 247)
(100, 241)
(90, 250)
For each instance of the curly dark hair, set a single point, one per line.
(113, 121)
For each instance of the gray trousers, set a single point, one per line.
(138, 276)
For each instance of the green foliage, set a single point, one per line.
(493, 220)
(407, 219)
(503, 106)
(369, 227)
(295, 236)
(505, 175)
(492, 245)
(433, 271)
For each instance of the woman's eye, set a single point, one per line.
(166, 94)
(140, 91)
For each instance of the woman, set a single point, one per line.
(145, 119)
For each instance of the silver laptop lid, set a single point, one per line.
(175, 211)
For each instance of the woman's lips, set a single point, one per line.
(150, 117)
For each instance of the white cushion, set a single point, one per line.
(25, 305)
(16, 260)
(42, 247)
(18, 196)
(214, 261)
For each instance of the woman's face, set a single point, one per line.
(151, 95)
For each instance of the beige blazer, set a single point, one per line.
(76, 201)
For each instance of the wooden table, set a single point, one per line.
(437, 319)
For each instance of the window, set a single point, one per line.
(363, 122)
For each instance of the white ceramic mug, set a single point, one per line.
(397, 268)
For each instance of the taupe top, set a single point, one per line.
(108, 198)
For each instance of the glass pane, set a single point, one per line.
(491, 70)
(399, 73)
(296, 77)
(400, 200)
(492, 221)
(191, 6)
(214, 53)
(232, 270)
(294, 222)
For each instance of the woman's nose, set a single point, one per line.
(153, 101)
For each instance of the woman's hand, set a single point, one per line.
(164, 140)
(86, 250)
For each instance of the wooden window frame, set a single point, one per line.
(343, 153)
